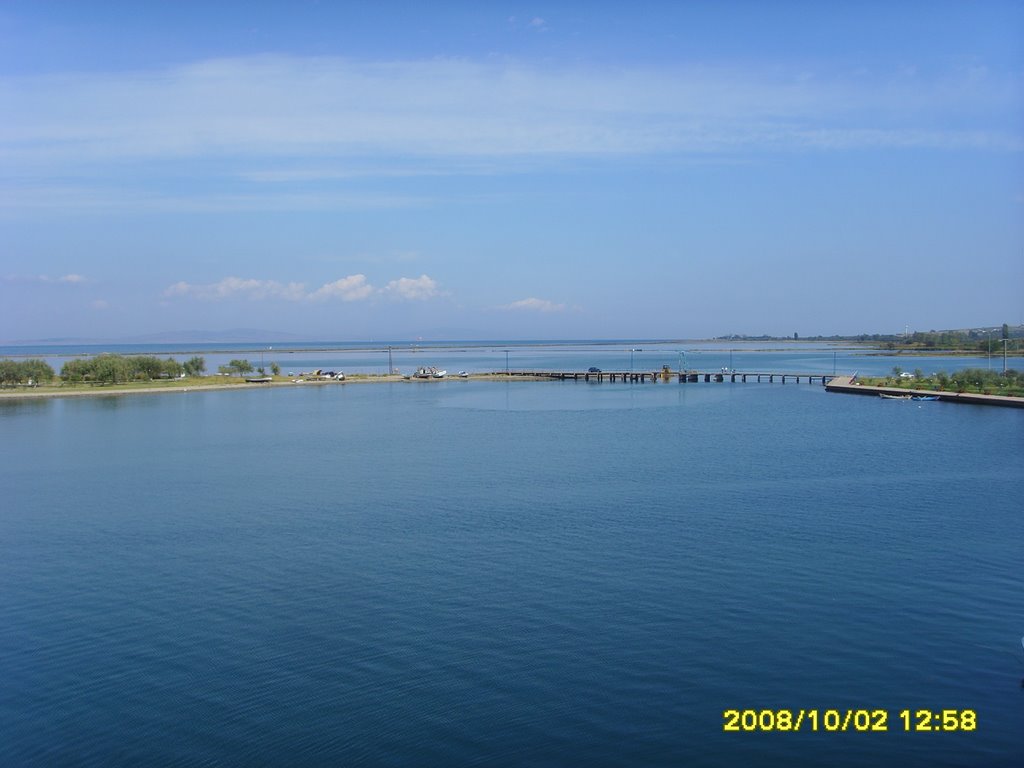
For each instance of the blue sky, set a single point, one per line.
(486, 170)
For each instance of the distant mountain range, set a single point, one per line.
(230, 336)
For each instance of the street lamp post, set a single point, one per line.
(506, 363)
(1004, 356)
(631, 351)
(391, 368)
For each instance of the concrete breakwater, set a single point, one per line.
(850, 386)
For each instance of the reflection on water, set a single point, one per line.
(505, 573)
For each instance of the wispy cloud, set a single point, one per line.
(69, 279)
(289, 133)
(101, 199)
(535, 305)
(415, 288)
(350, 288)
(237, 287)
(293, 107)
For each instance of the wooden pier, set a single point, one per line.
(682, 377)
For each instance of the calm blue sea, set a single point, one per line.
(506, 573)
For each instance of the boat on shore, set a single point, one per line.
(429, 373)
(884, 396)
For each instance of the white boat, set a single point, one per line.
(429, 373)
(463, 375)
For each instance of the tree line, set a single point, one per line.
(29, 372)
(117, 369)
(981, 380)
(243, 367)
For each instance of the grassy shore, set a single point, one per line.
(198, 383)
(1009, 387)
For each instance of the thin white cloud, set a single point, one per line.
(69, 279)
(39, 197)
(100, 305)
(306, 107)
(350, 288)
(415, 288)
(535, 305)
(237, 287)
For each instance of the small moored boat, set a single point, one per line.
(429, 373)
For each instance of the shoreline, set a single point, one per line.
(842, 384)
(845, 385)
(42, 393)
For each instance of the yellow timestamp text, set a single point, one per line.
(835, 720)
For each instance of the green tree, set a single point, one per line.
(146, 367)
(275, 369)
(112, 369)
(10, 373)
(1006, 331)
(241, 367)
(172, 368)
(36, 371)
(194, 366)
(77, 370)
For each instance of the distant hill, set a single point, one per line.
(229, 336)
(945, 336)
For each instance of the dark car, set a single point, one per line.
(593, 369)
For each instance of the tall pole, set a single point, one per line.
(833, 362)
(989, 332)
(391, 367)
(506, 363)
(1004, 356)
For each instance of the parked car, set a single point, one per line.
(593, 369)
